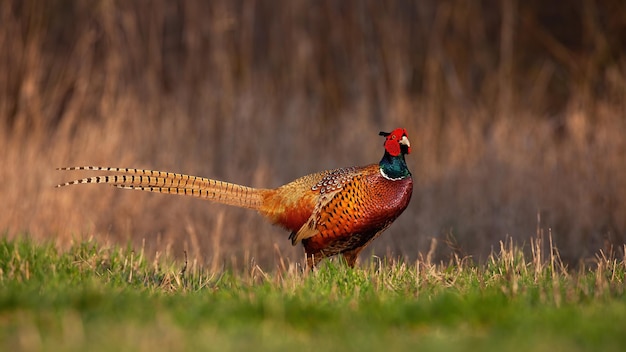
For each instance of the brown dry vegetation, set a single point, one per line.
(515, 109)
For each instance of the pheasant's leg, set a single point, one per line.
(312, 259)
(351, 256)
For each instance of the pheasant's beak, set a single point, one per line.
(405, 145)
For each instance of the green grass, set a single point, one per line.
(101, 298)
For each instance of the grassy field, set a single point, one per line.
(99, 298)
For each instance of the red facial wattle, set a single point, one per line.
(395, 140)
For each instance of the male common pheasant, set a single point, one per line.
(331, 212)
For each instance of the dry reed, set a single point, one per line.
(513, 111)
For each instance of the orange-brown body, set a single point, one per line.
(361, 207)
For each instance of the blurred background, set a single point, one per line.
(516, 111)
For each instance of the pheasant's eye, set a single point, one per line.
(393, 137)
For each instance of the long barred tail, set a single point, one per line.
(171, 183)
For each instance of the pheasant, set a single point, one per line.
(331, 212)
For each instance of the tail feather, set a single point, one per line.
(172, 183)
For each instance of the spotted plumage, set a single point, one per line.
(331, 212)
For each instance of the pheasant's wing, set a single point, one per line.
(327, 188)
(309, 229)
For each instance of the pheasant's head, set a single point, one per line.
(392, 165)
(396, 142)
